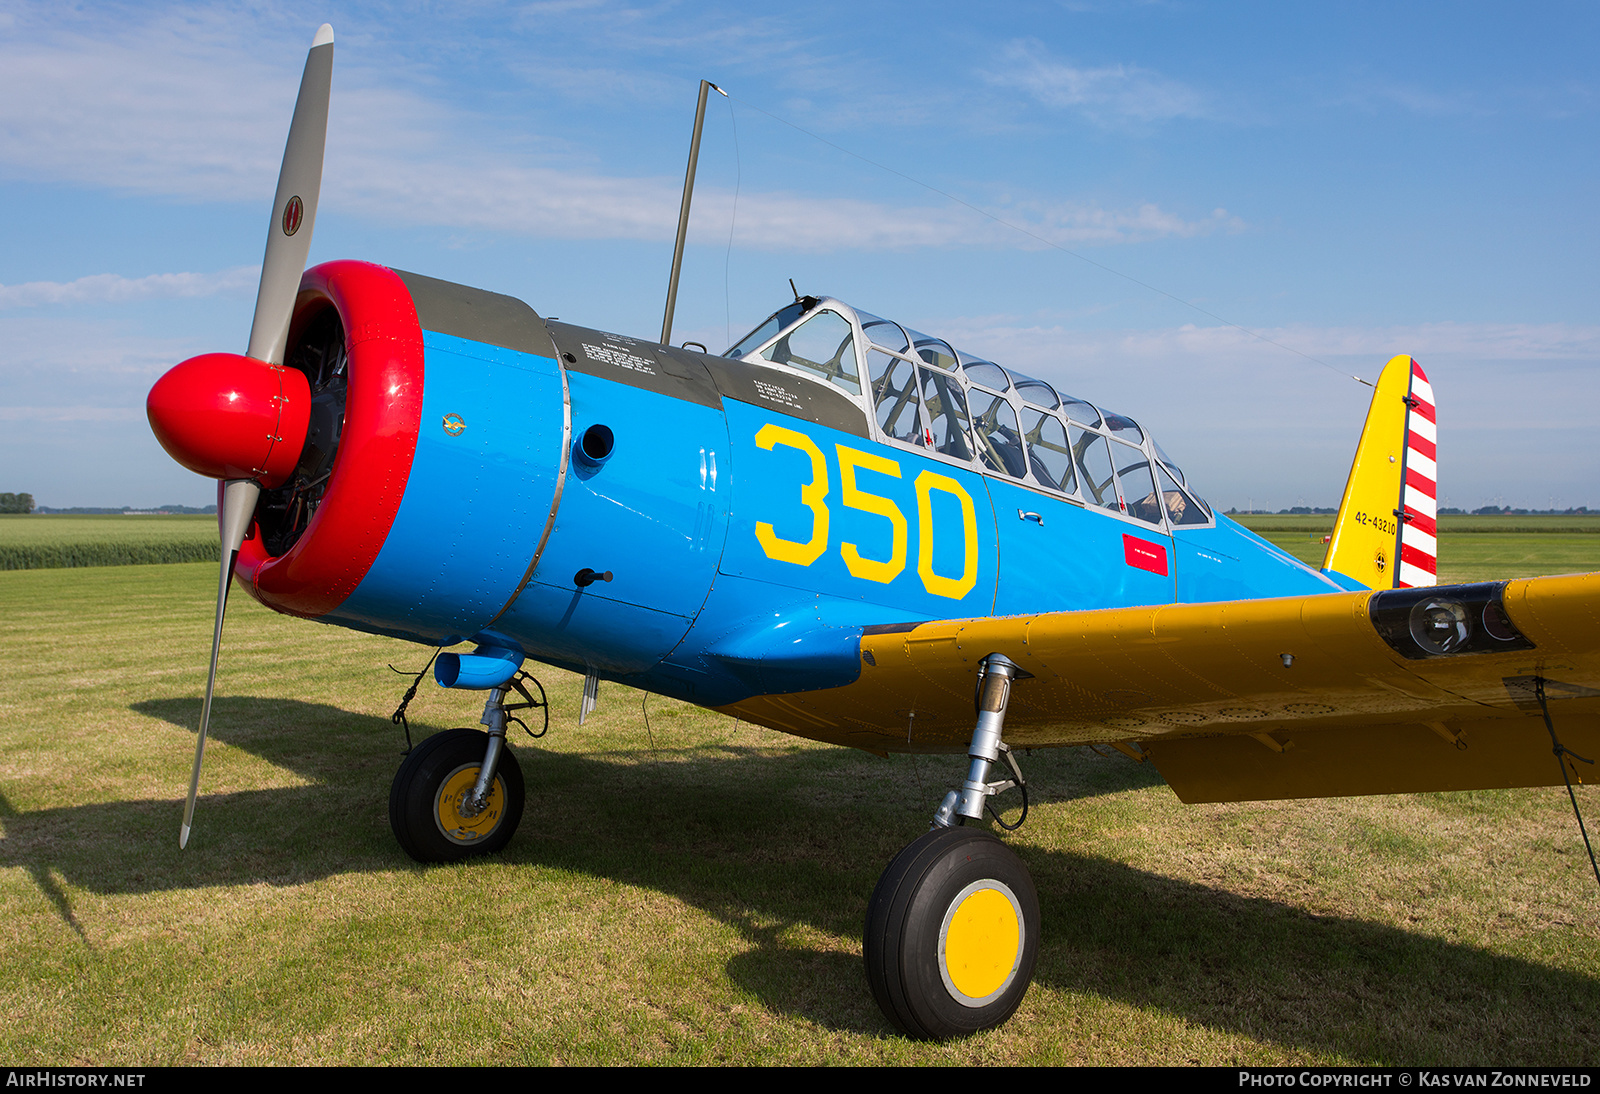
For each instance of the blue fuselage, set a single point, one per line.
(750, 519)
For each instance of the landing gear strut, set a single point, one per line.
(459, 793)
(953, 927)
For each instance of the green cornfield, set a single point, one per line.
(48, 542)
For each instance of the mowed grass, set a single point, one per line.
(39, 541)
(692, 891)
(1471, 548)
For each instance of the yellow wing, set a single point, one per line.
(1298, 697)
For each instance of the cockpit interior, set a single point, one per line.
(920, 392)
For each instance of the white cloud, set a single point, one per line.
(115, 289)
(70, 414)
(184, 107)
(1535, 94)
(1373, 93)
(1468, 341)
(563, 204)
(1254, 423)
(165, 107)
(44, 361)
(73, 429)
(1106, 95)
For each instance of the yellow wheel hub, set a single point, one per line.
(981, 942)
(455, 824)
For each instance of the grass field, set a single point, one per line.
(48, 541)
(1470, 548)
(692, 891)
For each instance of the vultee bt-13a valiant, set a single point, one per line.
(852, 531)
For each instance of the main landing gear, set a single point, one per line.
(953, 926)
(458, 794)
(952, 929)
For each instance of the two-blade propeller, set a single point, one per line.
(243, 419)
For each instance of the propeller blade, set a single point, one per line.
(294, 210)
(238, 507)
(294, 213)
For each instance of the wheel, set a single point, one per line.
(424, 802)
(952, 934)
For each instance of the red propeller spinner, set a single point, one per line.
(227, 416)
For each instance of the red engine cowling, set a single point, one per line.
(335, 543)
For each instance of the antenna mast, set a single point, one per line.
(683, 211)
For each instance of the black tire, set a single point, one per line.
(925, 991)
(436, 774)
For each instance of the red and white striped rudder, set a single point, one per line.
(1419, 492)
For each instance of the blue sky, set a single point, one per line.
(1350, 181)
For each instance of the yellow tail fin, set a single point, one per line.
(1384, 537)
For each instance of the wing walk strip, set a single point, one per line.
(1201, 688)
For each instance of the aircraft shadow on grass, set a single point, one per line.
(772, 838)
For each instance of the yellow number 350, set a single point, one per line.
(814, 493)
